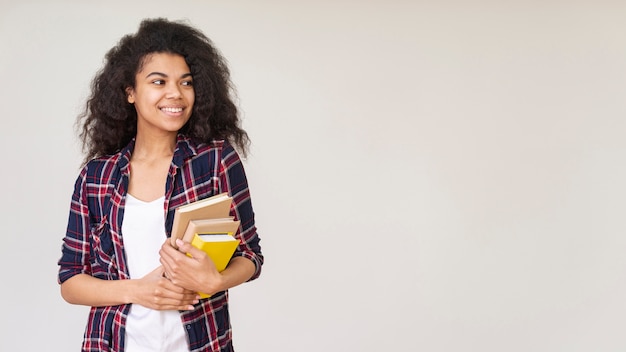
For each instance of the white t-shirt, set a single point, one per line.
(143, 233)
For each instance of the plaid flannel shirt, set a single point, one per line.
(93, 242)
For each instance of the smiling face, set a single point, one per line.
(163, 94)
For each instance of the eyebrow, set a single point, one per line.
(164, 75)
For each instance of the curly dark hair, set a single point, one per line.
(109, 122)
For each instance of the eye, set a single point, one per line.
(187, 83)
(158, 82)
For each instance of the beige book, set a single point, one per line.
(210, 226)
(215, 207)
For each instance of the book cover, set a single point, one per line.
(223, 225)
(217, 206)
(220, 247)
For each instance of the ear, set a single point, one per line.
(130, 95)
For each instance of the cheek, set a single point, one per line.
(191, 99)
(147, 98)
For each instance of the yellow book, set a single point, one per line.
(220, 247)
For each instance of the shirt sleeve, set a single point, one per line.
(75, 251)
(233, 180)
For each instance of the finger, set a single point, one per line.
(177, 295)
(187, 248)
(167, 251)
(172, 304)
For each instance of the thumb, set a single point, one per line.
(157, 272)
(188, 249)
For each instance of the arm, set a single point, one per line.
(152, 291)
(198, 273)
(233, 179)
(83, 272)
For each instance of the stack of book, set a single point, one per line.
(207, 225)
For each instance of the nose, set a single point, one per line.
(173, 91)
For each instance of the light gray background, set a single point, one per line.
(427, 175)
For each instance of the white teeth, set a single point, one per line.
(172, 109)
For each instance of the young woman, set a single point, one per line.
(159, 130)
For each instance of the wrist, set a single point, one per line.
(215, 284)
(130, 290)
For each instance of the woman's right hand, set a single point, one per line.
(156, 291)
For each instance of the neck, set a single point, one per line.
(152, 147)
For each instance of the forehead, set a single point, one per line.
(163, 62)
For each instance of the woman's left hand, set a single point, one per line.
(196, 272)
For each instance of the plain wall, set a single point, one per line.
(426, 175)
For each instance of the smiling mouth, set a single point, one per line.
(174, 110)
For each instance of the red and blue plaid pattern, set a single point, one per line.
(93, 242)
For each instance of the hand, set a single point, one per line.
(195, 271)
(157, 292)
